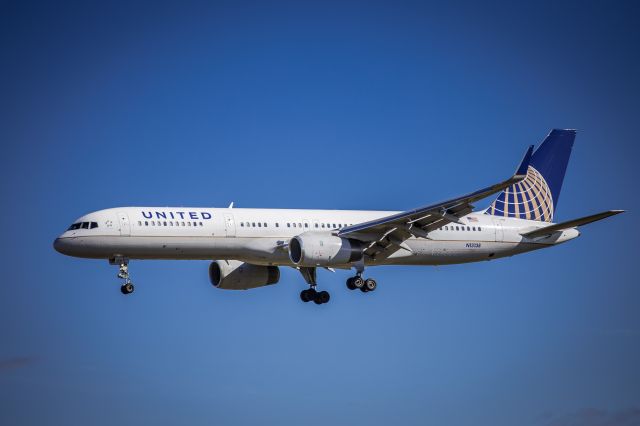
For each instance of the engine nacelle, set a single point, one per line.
(323, 249)
(236, 275)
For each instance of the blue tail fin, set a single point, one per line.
(536, 197)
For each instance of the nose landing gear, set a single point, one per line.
(127, 288)
(123, 273)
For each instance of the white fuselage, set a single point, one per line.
(257, 235)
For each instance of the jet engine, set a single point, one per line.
(236, 275)
(323, 249)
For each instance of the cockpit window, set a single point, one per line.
(83, 225)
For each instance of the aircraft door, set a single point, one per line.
(125, 228)
(229, 225)
(499, 229)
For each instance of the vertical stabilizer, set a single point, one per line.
(536, 197)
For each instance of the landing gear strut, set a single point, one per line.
(123, 273)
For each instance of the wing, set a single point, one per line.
(548, 230)
(386, 235)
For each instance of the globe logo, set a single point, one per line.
(528, 199)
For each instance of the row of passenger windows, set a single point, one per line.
(291, 225)
(168, 223)
(91, 225)
(459, 228)
(83, 225)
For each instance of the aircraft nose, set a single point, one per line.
(57, 245)
(62, 245)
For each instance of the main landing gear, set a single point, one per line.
(127, 287)
(318, 297)
(365, 285)
(311, 294)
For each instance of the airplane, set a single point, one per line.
(247, 246)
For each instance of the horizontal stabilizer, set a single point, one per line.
(547, 230)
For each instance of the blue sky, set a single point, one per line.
(346, 105)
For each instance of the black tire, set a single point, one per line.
(350, 284)
(364, 289)
(304, 296)
(370, 284)
(323, 296)
(358, 282)
(312, 294)
(127, 288)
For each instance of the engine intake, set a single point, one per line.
(323, 249)
(236, 275)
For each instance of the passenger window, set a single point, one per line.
(277, 225)
(259, 225)
(188, 223)
(306, 225)
(165, 223)
(242, 224)
(474, 228)
(479, 229)
(288, 225)
(457, 228)
(299, 225)
(334, 225)
(195, 224)
(201, 224)
(139, 223)
(153, 223)
(316, 225)
(323, 225)
(183, 224)
(468, 229)
(253, 224)
(146, 223)
(265, 224)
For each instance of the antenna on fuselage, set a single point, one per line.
(231, 205)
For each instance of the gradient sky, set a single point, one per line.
(341, 105)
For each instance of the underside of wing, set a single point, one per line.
(386, 235)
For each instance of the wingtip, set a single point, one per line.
(524, 164)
